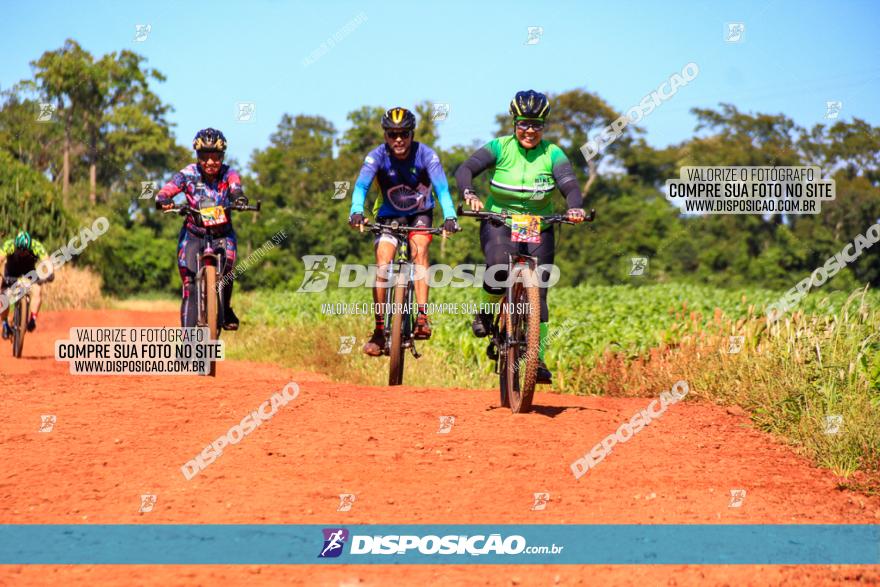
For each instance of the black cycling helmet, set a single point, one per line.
(399, 119)
(530, 104)
(209, 140)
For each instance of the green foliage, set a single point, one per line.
(29, 201)
(593, 319)
(131, 259)
(111, 124)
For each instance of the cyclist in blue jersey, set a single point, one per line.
(407, 173)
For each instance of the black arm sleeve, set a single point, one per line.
(567, 183)
(476, 164)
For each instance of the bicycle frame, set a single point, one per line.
(399, 282)
(401, 264)
(502, 339)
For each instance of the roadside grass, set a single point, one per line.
(812, 379)
(73, 289)
(147, 302)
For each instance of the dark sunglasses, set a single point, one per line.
(210, 156)
(395, 134)
(529, 124)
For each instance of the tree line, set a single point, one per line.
(106, 131)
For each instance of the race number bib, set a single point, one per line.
(525, 228)
(213, 216)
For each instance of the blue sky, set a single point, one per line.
(795, 56)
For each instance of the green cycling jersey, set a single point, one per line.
(37, 249)
(524, 179)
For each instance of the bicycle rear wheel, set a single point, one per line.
(501, 329)
(523, 335)
(19, 326)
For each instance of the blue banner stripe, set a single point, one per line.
(565, 544)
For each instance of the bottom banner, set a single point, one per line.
(167, 544)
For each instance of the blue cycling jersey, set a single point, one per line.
(405, 184)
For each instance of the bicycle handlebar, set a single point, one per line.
(397, 227)
(186, 208)
(554, 219)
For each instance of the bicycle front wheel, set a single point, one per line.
(211, 306)
(399, 313)
(19, 326)
(523, 325)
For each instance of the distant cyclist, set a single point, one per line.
(22, 255)
(407, 172)
(206, 183)
(527, 169)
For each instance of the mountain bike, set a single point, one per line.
(211, 265)
(400, 315)
(515, 331)
(20, 312)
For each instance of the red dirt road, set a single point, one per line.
(117, 437)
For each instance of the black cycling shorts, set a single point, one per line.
(497, 247)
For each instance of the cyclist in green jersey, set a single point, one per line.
(527, 169)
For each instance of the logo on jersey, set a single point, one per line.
(334, 540)
(544, 183)
(405, 198)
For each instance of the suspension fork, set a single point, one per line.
(209, 256)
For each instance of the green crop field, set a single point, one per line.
(592, 319)
(584, 322)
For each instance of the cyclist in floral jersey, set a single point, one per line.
(205, 184)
